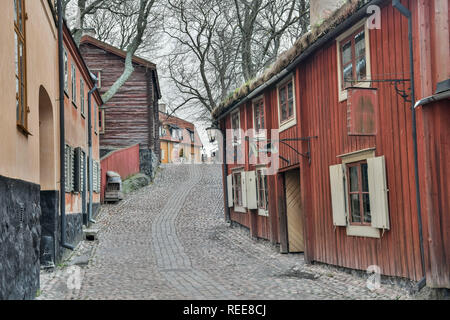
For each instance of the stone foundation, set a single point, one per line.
(20, 234)
(149, 162)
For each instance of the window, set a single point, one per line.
(236, 126)
(258, 116)
(82, 96)
(286, 96)
(237, 189)
(66, 72)
(192, 136)
(353, 59)
(101, 121)
(74, 84)
(98, 75)
(353, 48)
(95, 119)
(262, 193)
(20, 62)
(358, 193)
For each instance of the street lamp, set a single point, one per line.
(211, 131)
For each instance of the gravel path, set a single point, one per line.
(170, 241)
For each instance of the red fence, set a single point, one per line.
(124, 161)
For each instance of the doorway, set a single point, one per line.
(295, 220)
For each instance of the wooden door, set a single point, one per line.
(294, 212)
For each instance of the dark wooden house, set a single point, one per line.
(131, 116)
(344, 191)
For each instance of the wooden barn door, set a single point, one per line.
(294, 213)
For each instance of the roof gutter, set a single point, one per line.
(355, 18)
(434, 98)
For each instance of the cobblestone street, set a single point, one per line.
(170, 241)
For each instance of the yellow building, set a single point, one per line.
(179, 140)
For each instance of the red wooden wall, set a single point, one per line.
(124, 161)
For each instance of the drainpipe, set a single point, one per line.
(225, 175)
(90, 182)
(62, 138)
(405, 12)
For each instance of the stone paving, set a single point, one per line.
(170, 241)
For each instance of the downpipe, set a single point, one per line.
(405, 12)
(91, 176)
(62, 137)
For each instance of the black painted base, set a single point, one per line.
(20, 234)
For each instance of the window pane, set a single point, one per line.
(353, 173)
(282, 96)
(347, 53)
(361, 68)
(291, 109)
(355, 205)
(15, 11)
(360, 44)
(283, 112)
(290, 91)
(22, 106)
(365, 178)
(16, 52)
(366, 205)
(20, 16)
(348, 75)
(266, 196)
(21, 63)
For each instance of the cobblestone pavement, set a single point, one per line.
(170, 241)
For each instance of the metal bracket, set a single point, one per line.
(396, 82)
(306, 155)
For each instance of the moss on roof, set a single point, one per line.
(303, 43)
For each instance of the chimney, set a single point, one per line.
(89, 32)
(320, 10)
(162, 107)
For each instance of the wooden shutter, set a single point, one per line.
(252, 202)
(244, 188)
(337, 183)
(378, 192)
(230, 190)
(82, 171)
(67, 168)
(77, 170)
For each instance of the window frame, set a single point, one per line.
(238, 207)
(74, 84)
(22, 109)
(82, 98)
(66, 72)
(361, 25)
(360, 193)
(98, 74)
(261, 210)
(101, 120)
(291, 120)
(259, 103)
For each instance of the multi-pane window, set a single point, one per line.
(82, 96)
(236, 125)
(101, 120)
(98, 75)
(286, 98)
(237, 189)
(74, 84)
(66, 72)
(95, 119)
(20, 62)
(358, 193)
(258, 114)
(353, 58)
(262, 194)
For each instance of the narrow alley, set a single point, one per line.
(170, 241)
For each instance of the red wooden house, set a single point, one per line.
(131, 116)
(340, 100)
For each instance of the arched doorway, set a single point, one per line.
(49, 193)
(46, 142)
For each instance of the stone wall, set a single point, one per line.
(149, 162)
(20, 234)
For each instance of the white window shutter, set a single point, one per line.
(72, 169)
(66, 168)
(337, 183)
(230, 190)
(99, 184)
(244, 188)
(252, 202)
(379, 205)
